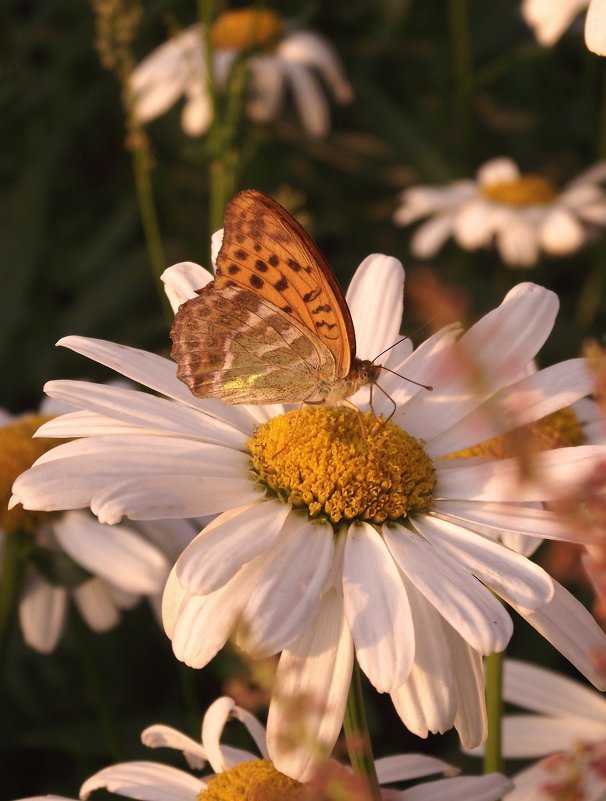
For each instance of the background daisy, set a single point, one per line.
(282, 58)
(523, 215)
(237, 772)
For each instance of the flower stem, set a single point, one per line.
(462, 67)
(357, 737)
(17, 546)
(493, 760)
(149, 221)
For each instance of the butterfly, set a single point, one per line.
(273, 326)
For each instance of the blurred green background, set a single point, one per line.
(74, 261)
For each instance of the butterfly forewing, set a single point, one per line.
(267, 252)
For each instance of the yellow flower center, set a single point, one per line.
(246, 27)
(18, 451)
(341, 465)
(560, 429)
(256, 780)
(527, 190)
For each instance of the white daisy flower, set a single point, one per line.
(103, 569)
(522, 214)
(569, 732)
(550, 18)
(284, 58)
(241, 774)
(328, 542)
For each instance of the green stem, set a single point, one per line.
(601, 142)
(149, 220)
(493, 760)
(99, 689)
(17, 546)
(356, 735)
(460, 42)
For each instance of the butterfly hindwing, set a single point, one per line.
(232, 344)
(267, 252)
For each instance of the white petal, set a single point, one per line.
(420, 368)
(491, 787)
(569, 627)
(200, 625)
(459, 597)
(147, 781)
(496, 348)
(42, 610)
(144, 410)
(266, 88)
(197, 113)
(429, 237)
(506, 572)
(227, 543)
(517, 404)
(531, 736)
(377, 609)
(155, 373)
(554, 473)
(473, 224)
(517, 241)
(287, 598)
(595, 27)
(541, 690)
(160, 736)
(96, 606)
(498, 518)
(309, 98)
(376, 299)
(178, 497)
(182, 280)
(310, 691)
(117, 554)
(549, 20)
(426, 701)
(402, 767)
(468, 674)
(306, 47)
(561, 233)
(499, 170)
(217, 715)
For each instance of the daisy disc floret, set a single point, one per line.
(324, 461)
(341, 534)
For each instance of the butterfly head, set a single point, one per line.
(361, 374)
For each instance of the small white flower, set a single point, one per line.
(550, 18)
(523, 215)
(287, 59)
(103, 569)
(569, 731)
(149, 781)
(412, 596)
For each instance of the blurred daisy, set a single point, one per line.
(243, 775)
(103, 569)
(522, 214)
(281, 58)
(550, 18)
(569, 732)
(328, 542)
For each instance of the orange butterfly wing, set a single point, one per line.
(266, 251)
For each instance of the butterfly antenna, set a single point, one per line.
(395, 344)
(410, 380)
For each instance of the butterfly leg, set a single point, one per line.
(289, 440)
(379, 422)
